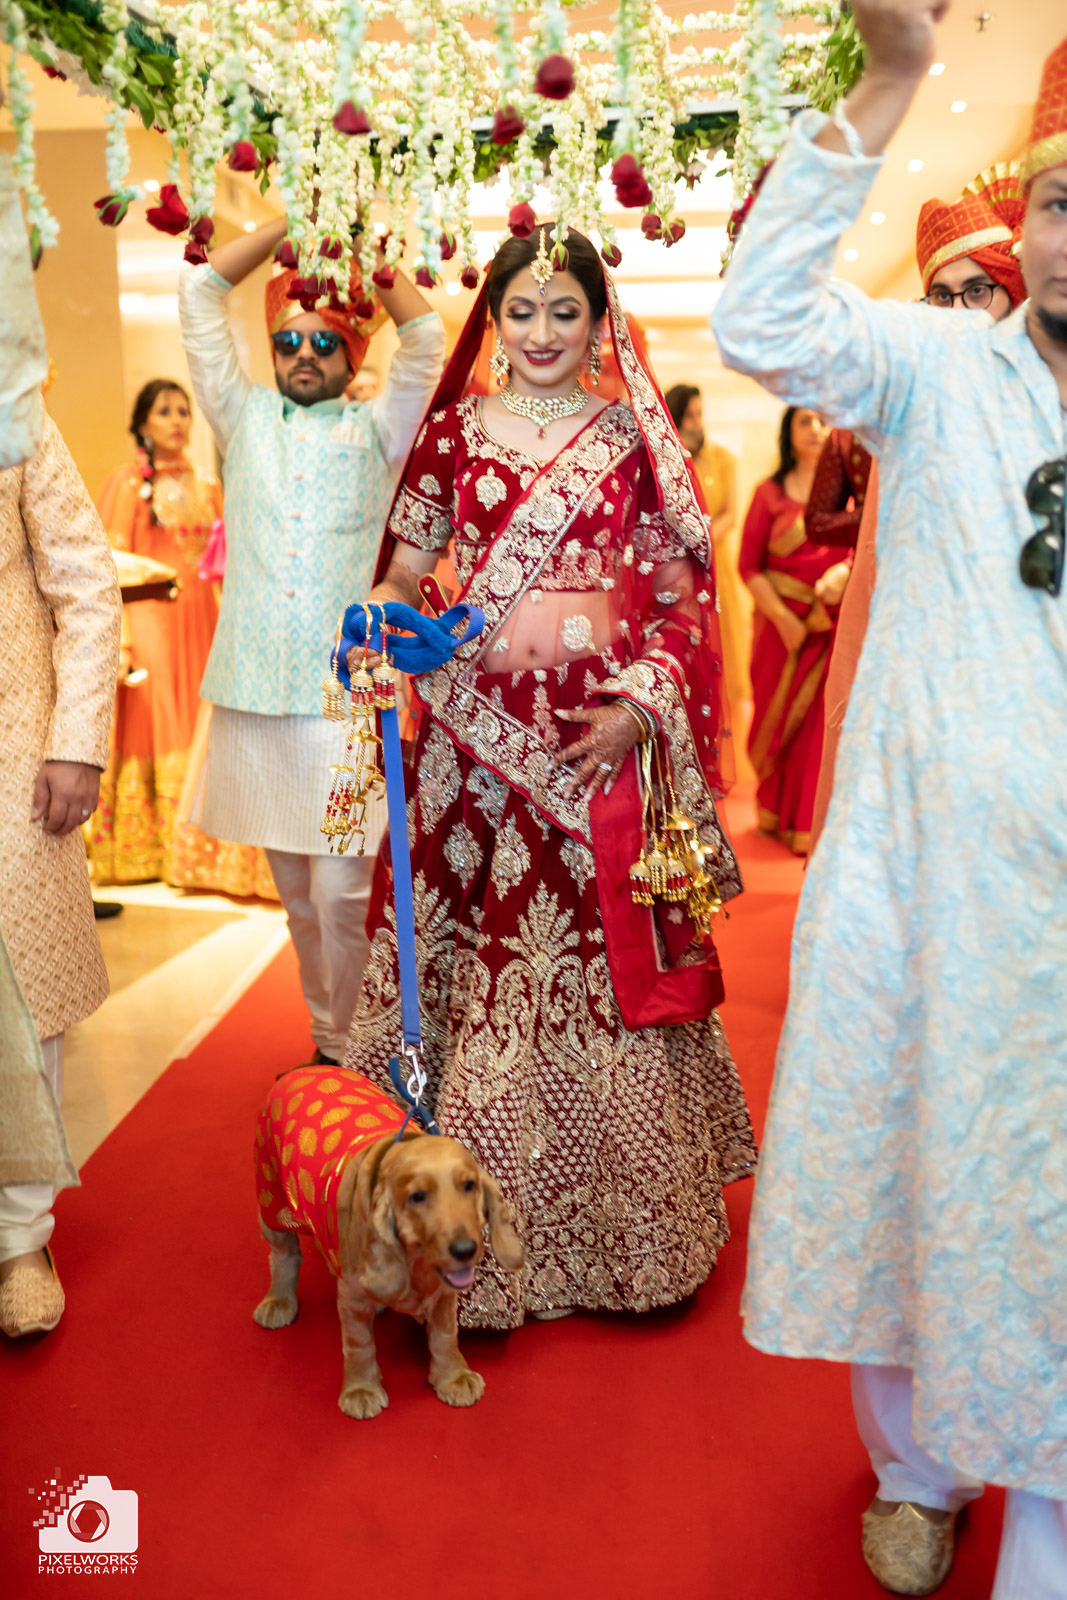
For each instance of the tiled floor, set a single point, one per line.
(177, 962)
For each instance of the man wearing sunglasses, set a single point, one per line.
(910, 1216)
(309, 478)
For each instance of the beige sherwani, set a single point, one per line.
(61, 610)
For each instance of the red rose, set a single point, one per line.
(54, 72)
(285, 255)
(651, 226)
(522, 220)
(195, 253)
(555, 78)
(111, 210)
(611, 255)
(507, 125)
(171, 215)
(675, 232)
(364, 308)
(631, 185)
(470, 277)
(331, 248)
(559, 258)
(243, 157)
(202, 230)
(385, 277)
(739, 217)
(448, 245)
(424, 278)
(351, 119)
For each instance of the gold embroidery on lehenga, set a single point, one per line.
(488, 792)
(439, 778)
(511, 858)
(463, 853)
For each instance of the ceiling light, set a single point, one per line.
(958, 105)
(937, 69)
(877, 218)
(152, 185)
(250, 227)
(915, 166)
(453, 288)
(852, 255)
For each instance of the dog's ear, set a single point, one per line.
(507, 1247)
(382, 1267)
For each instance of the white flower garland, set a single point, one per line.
(415, 105)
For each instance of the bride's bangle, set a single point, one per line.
(642, 717)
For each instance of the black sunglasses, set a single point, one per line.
(288, 342)
(1041, 557)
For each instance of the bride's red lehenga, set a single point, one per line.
(571, 1039)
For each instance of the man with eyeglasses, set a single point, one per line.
(910, 1216)
(309, 478)
(967, 261)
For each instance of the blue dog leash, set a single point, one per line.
(421, 654)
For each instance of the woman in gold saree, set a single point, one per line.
(571, 1036)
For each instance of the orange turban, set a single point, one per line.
(983, 224)
(354, 330)
(1047, 146)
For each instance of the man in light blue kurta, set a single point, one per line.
(309, 477)
(911, 1211)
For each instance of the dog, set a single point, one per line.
(400, 1223)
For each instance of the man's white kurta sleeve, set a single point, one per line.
(220, 384)
(413, 377)
(784, 320)
(23, 360)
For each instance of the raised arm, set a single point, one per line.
(23, 361)
(781, 318)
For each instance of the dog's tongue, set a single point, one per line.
(460, 1277)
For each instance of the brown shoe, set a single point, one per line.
(906, 1552)
(30, 1302)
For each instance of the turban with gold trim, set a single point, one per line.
(984, 224)
(343, 319)
(1047, 145)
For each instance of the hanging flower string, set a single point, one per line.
(360, 123)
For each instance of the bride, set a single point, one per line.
(571, 1037)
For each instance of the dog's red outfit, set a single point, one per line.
(314, 1121)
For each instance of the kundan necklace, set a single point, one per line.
(543, 412)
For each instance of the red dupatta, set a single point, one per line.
(675, 667)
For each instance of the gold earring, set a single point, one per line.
(594, 362)
(499, 365)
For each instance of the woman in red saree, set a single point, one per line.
(797, 588)
(571, 1037)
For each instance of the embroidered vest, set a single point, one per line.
(307, 496)
(314, 1121)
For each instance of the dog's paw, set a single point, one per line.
(275, 1312)
(464, 1389)
(365, 1402)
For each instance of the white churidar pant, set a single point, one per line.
(326, 900)
(26, 1219)
(1032, 1564)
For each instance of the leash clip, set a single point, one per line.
(412, 1088)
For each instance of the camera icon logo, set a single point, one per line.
(99, 1518)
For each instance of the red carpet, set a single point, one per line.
(613, 1458)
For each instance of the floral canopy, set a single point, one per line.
(397, 108)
